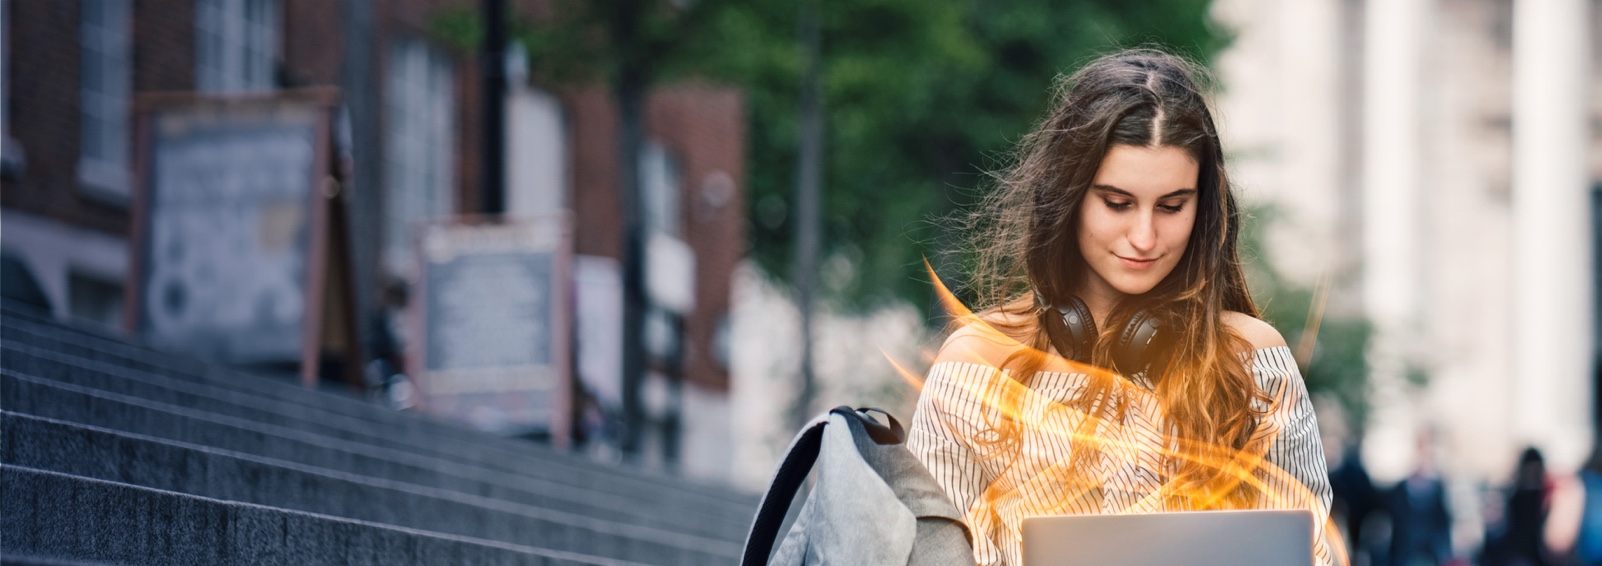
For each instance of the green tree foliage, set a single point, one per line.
(922, 100)
(1337, 363)
(583, 41)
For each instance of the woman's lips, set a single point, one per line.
(1137, 263)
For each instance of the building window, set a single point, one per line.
(669, 260)
(5, 64)
(659, 190)
(419, 146)
(536, 180)
(11, 160)
(106, 80)
(236, 44)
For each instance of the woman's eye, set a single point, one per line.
(1117, 205)
(1172, 207)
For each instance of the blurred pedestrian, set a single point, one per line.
(1521, 541)
(1421, 523)
(1355, 498)
(1574, 530)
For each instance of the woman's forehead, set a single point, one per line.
(1147, 172)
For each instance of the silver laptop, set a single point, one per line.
(1205, 538)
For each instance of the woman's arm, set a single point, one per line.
(1296, 476)
(950, 416)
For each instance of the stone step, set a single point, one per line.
(65, 519)
(518, 457)
(86, 348)
(513, 457)
(13, 560)
(200, 426)
(203, 471)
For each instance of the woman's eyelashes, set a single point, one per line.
(1121, 205)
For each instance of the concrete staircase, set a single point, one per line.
(113, 453)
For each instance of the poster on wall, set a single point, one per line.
(230, 224)
(490, 324)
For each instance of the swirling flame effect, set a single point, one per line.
(1247, 467)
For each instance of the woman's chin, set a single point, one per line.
(1135, 288)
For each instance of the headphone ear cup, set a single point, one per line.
(1143, 339)
(1081, 328)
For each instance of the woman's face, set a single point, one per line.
(1136, 219)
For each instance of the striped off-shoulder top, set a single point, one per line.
(996, 492)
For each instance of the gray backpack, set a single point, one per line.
(873, 504)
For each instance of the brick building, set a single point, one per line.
(73, 68)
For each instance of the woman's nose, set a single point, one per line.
(1143, 234)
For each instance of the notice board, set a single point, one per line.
(490, 331)
(230, 221)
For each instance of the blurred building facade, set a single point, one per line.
(1440, 162)
(73, 70)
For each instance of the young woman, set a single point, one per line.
(1116, 363)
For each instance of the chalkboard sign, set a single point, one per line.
(491, 324)
(229, 226)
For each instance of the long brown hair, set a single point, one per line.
(1026, 241)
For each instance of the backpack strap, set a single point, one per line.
(798, 462)
(891, 433)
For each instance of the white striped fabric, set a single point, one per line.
(997, 493)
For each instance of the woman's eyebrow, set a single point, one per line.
(1112, 189)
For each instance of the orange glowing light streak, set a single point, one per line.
(1247, 466)
(1118, 447)
(1315, 318)
(952, 304)
(906, 375)
(1109, 439)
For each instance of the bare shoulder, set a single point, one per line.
(978, 342)
(1259, 333)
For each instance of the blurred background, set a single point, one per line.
(656, 235)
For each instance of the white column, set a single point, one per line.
(1309, 136)
(1551, 235)
(1392, 177)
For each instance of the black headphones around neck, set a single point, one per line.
(1144, 341)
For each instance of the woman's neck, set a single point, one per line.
(1100, 301)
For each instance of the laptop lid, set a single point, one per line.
(1205, 538)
